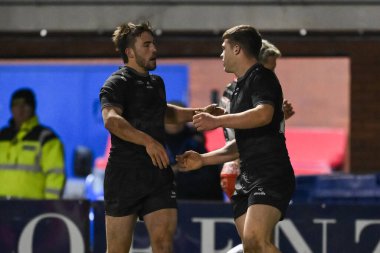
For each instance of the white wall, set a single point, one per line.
(189, 15)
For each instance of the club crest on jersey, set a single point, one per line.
(148, 85)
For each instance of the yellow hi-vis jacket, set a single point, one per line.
(31, 162)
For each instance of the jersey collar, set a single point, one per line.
(249, 71)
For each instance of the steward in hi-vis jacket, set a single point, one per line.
(31, 155)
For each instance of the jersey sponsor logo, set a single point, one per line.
(173, 194)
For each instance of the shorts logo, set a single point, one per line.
(260, 192)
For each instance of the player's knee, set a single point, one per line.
(254, 242)
(162, 242)
(162, 246)
(117, 243)
(258, 247)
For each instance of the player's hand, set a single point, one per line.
(190, 160)
(157, 153)
(205, 121)
(213, 109)
(288, 109)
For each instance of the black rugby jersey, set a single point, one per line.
(143, 101)
(225, 102)
(262, 150)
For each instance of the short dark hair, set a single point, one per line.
(125, 36)
(247, 37)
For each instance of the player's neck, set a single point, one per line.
(244, 66)
(136, 67)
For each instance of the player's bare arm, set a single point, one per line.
(259, 116)
(192, 160)
(117, 125)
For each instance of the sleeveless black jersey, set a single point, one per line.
(263, 153)
(143, 101)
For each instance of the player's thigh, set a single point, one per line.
(260, 221)
(239, 223)
(161, 224)
(119, 231)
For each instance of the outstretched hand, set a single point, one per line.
(205, 121)
(213, 109)
(190, 160)
(288, 109)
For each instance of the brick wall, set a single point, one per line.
(364, 53)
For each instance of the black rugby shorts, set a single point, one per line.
(138, 191)
(277, 196)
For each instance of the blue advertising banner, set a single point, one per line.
(44, 226)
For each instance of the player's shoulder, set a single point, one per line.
(264, 74)
(156, 78)
(118, 77)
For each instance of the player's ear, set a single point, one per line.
(237, 49)
(129, 52)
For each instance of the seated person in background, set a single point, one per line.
(202, 184)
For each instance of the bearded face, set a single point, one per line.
(145, 52)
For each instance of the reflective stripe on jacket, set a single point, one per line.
(31, 162)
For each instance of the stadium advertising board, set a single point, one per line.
(63, 226)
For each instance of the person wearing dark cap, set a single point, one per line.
(31, 155)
